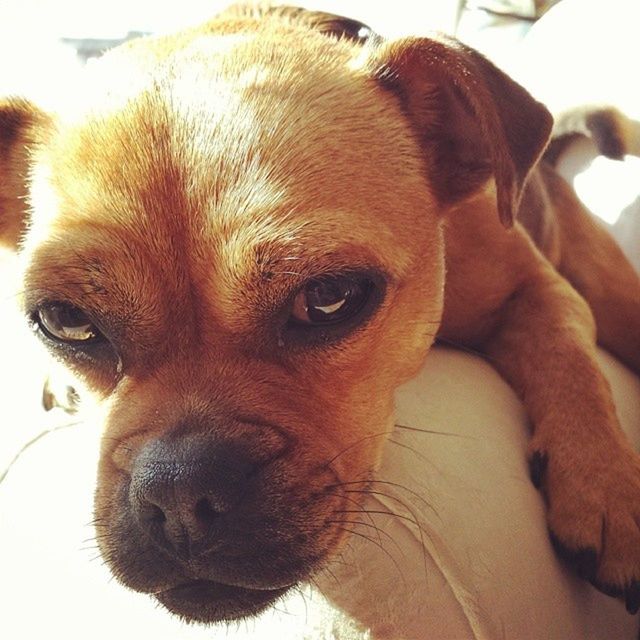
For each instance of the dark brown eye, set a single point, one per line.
(330, 300)
(65, 323)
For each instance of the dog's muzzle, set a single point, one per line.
(216, 528)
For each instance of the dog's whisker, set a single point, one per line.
(98, 538)
(387, 482)
(302, 595)
(379, 512)
(106, 438)
(281, 611)
(379, 532)
(427, 461)
(387, 433)
(381, 547)
(91, 548)
(96, 522)
(353, 501)
(98, 557)
(432, 431)
(13, 295)
(314, 582)
(390, 496)
(340, 560)
(414, 451)
(355, 444)
(328, 570)
(414, 521)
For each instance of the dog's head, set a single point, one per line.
(235, 237)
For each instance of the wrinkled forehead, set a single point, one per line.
(234, 138)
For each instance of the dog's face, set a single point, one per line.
(237, 242)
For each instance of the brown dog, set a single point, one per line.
(239, 239)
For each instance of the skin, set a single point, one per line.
(204, 178)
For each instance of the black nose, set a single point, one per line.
(182, 488)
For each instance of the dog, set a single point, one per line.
(245, 236)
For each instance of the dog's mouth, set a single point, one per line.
(207, 602)
(175, 528)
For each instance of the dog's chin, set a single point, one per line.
(207, 602)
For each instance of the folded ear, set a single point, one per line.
(472, 120)
(20, 122)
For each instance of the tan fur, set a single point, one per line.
(208, 175)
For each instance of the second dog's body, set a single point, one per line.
(249, 237)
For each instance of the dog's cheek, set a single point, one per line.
(415, 308)
(353, 385)
(357, 404)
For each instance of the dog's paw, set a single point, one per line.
(594, 516)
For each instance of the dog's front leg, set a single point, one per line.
(544, 345)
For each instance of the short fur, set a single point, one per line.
(202, 179)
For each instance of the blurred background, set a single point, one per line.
(72, 30)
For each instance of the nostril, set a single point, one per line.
(204, 512)
(152, 513)
(157, 514)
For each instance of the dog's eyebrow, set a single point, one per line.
(306, 266)
(290, 250)
(290, 263)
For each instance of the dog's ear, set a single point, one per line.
(20, 123)
(472, 119)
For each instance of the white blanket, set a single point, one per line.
(479, 565)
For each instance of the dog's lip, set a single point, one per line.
(195, 585)
(207, 601)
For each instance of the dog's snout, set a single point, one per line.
(181, 488)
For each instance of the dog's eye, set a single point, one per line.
(65, 323)
(330, 300)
